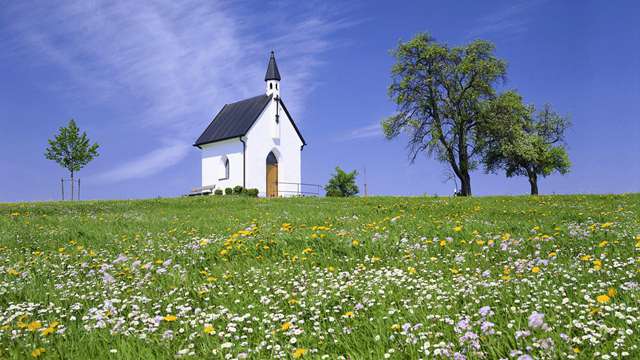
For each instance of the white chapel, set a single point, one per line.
(254, 143)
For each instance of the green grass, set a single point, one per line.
(362, 278)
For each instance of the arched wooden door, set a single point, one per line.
(272, 175)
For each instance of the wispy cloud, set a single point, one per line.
(370, 131)
(509, 21)
(149, 163)
(169, 65)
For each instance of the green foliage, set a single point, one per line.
(252, 192)
(523, 142)
(342, 184)
(237, 190)
(218, 192)
(440, 93)
(228, 191)
(71, 149)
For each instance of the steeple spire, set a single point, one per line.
(272, 77)
(272, 69)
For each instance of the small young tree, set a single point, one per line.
(342, 184)
(71, 150)
(523, 142)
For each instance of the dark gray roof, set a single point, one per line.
(234, 120)
(272, 69)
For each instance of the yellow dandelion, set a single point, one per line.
(170, 318)
(535, 269)
(307, 251)
(299, 352)
(285, 326)
(411, 270)
(612, 292)
(576, 350)
(13, 272)
(396, 327)
(553, 254)
(603, 299)
(50, 329)
(457, 228)
(348, 314)
(37, 352)
(443, 243)
(597, 265)
(355, 243)
(34, 325)
(293, 301)
(208, 329)
(603, 243)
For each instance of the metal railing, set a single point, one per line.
(302, 189)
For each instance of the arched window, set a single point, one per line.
(225, 164)
(276, 86)
(270, 85)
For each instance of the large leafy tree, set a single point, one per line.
(71, 149)
(441, 93)
(524, 142)
(342, 184)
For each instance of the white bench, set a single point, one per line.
(203, 190)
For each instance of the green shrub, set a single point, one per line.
(237, 190)
(252, 192)
(342, 184)
(228, 191)
(218, 192)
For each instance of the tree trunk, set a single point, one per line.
(72, 186)
(533, 181)
(465, 184)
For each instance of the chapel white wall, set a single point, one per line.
(213, 170)
(285, 143)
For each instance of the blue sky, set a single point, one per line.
(144, 80)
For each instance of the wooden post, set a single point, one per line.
(62, 188)
(365, 181)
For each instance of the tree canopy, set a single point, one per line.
(523, 142)
(441, 94)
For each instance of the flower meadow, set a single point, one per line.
(548, 277)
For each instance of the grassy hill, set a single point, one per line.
(378, 277)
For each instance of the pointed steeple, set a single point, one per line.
(272, 69)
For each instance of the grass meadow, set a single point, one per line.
(222, 277)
